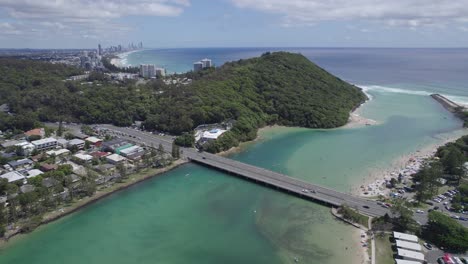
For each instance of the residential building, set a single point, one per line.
(197, 66)
(21, 164)
(58, 152)
(26, 148)
(131, 150)
(82, 158)
(33, 173)
(147, 70)
(76, 143)
(62, 142)
(206, 63)
(48, 167)
(36, 132)
(12, 176)
(160, 72)
(45, 144)
(115, 145)
(211, 135)
(94, 141)
(10, 143)
(115, 159)
(99, 154)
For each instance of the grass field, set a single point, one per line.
(383, 250)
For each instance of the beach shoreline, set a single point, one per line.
(374, 183)
(121, 57)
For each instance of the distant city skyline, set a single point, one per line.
(233, 23)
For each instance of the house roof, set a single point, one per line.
(12, 176)
(115, 158)
(93, 140)
(76, 141)
(33, 173)
(49, 167)
(35, 132)
(43, 141)
(20, 162)
(408, 245)
(99, 154)
(27, 188)
(49, 182)
(85, 157)
(406, 237)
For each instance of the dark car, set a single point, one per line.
(365, 206)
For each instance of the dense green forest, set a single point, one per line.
(276, 88)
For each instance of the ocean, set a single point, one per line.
(197, 215)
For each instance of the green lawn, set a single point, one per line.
(383, 250)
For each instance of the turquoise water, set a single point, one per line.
(197, 215)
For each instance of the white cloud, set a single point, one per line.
(95, 17)
(412, 13)
(9, 29)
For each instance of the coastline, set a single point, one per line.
(133, 179)
(121, 57)
(374, 182)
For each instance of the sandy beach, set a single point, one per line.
(374, 183)
(120, 61)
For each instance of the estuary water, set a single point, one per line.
(197, 215)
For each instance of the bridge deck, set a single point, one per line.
(253, 173)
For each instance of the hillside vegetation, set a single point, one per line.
(276, 88)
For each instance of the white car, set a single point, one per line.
(420, 211)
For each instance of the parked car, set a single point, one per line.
(428, 246)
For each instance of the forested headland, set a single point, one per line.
(276, 88)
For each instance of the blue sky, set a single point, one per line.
(234, 23)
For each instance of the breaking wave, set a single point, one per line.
(463, 100)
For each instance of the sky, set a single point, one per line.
(233, 23)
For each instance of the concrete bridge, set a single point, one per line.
(266, 177)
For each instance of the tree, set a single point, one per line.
(428, 178)
(403, 217)
(160, 148)
(446, 232)
(122, 169)
(3, 219)
(87, 145)
(175, 151)
(453, 160)
(60, 129)
(185, 140)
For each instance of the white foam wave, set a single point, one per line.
(463, 100)
(379, 88)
